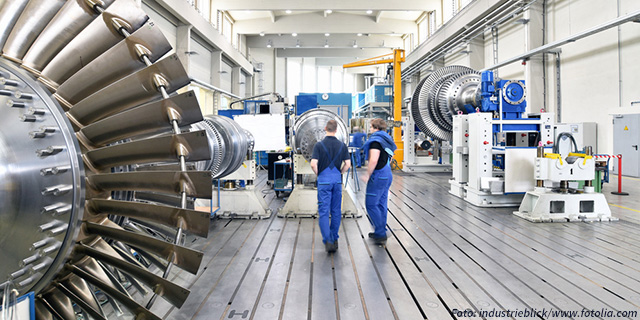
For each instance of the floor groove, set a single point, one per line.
(442, 254)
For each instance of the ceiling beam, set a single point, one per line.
(378, 16)
(319, 40)
(316, 23)
(355, 5)
(273, 16)
(355, 53)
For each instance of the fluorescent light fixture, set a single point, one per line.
(288, 11)
(355, 44)
(262, 34)
(298, 44)
(329, 11)
(369, 11)
(294, 34)
(327, 34)
(326, 43)
(269, 44)
(359, 34)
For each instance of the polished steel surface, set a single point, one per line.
(131, 91)
(122, 59)
(194, 183)
(228, 142)
(308, 129)
(9, 13)
(39, 192)
(193, 221)
(430, 106)
(147, 119)
(192, 145)
(85, 47)
(48, 244)
(72, 18)
(34, 18)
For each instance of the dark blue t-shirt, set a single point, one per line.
(334, 146)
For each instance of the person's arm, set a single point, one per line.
(346, 166)
(314, 166)
(374, 156)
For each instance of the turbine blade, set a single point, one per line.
(131, 91)
(122, 59)
(84, 48)
(72, 18)
(173, 293)
(10, 13)
(193, 145)
(195, 222)
(183, 257)
(61, 304)
(167, 199)
(129, 303)
(147, 119)
(79, 292)
(34, 18)
(194, 183)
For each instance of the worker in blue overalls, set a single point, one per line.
(356, 140)
(327, 162)
(379, 151)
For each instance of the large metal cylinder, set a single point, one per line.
(65, 231)
(445, 92)
(229, 145)
(308, 129)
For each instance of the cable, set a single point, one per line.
(556, 148)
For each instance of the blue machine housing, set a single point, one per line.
(508, 93)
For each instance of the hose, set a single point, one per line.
(556, 149)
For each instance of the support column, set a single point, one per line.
(475, 56)
(248, 89)
(183, 45)
(216, 67)
(236, 72)
(534, 77)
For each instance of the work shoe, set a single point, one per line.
(330, 247)
(376, 239)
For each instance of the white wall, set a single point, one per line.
(591, 81)
(266, 57)
(600, 75)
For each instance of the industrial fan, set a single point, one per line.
(94, 158)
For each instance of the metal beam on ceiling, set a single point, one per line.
(355, 5)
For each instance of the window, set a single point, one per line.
(336, 79)
(432, 22)
(423, 29)
(227, 27)
(349, 80)
(309, 75)
(324, 79)
(294, 72)
(204, 6)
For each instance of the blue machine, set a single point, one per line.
(511, 100)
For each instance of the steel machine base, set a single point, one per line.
(543, 205)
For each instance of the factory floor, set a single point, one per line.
(442, 255)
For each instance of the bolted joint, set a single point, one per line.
(121, 26)
(49, 151)
(142, 52)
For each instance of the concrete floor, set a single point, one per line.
(442, 255)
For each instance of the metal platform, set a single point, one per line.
(442, 254)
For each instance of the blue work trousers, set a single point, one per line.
(376, 199)
(329, 203)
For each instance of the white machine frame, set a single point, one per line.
(545, 205)
(303, 200)
(474, 178)
(244, 202)
(414, 163)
